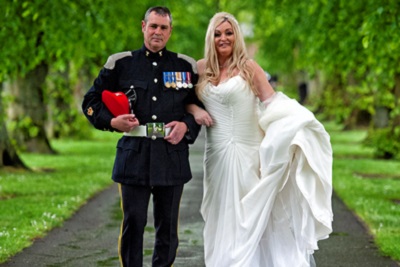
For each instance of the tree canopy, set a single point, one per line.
(347, 48)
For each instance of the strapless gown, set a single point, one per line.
(251, 221)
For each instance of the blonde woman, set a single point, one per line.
(267, 175)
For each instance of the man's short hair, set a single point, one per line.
(160, 10)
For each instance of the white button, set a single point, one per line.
(154, 117)
(154, 63)
(155, 80)
(153, 137)
(154, 98)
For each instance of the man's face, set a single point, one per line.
(156, 32)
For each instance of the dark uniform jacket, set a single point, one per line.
(142, 160)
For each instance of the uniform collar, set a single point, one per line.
(154, 56)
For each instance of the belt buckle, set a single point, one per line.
(155, 130)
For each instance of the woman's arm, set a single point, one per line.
(260, 81)
(200, 115)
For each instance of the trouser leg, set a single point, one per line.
(134, 204)
(166, 201)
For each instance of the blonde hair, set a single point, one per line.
(238, 60)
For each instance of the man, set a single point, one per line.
(149, 161)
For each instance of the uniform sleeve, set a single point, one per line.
(188, 119)
(92, 106)
(193, 128)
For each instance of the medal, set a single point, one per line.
(178, 80)
(166, 79)
(173, 80)
(184, 83)
(190, 85)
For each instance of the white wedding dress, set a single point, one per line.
(267, 180)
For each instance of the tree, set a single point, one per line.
(57, 37)
(36, 32)
(8, 154)
(350, 47)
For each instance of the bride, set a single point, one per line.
(267, 165)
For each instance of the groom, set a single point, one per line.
(149, 164)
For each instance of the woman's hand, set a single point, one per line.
(201, 116)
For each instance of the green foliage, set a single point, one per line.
(386, 142)
(348, 46)
(26, 125)
(190, 23)
(369, 187)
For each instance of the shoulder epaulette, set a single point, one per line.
(110, 64)
(190, 60)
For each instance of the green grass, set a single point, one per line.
(369, 187)
(32, 203)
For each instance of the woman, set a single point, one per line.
(267, 181)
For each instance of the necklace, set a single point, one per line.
(224, 66)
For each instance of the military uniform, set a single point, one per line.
(163, 84)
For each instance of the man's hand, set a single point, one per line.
(178, 131)
(125, 123)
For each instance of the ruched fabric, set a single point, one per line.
(267, 180)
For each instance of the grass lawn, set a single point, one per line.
(369, 187)
(32, 203)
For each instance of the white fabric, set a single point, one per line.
(267, 190)
(141, 131)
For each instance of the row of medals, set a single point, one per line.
(177, 80)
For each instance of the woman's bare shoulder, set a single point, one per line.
(252, 64)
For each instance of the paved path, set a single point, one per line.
(90, 237)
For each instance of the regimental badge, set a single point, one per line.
(155, 129)
(90, 111)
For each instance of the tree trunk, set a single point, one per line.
(59, 121)
(358, 117)
(381, 117)
(64, 106)
(396, 119)
(29, 111)
(8, 155)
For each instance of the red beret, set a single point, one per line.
(116, 102)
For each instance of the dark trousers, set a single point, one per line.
(134, 203)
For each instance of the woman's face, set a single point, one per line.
(224, 39)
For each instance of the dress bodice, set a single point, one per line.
(234, 110)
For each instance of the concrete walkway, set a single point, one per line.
(90, 237)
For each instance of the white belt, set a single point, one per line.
(150, 130)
